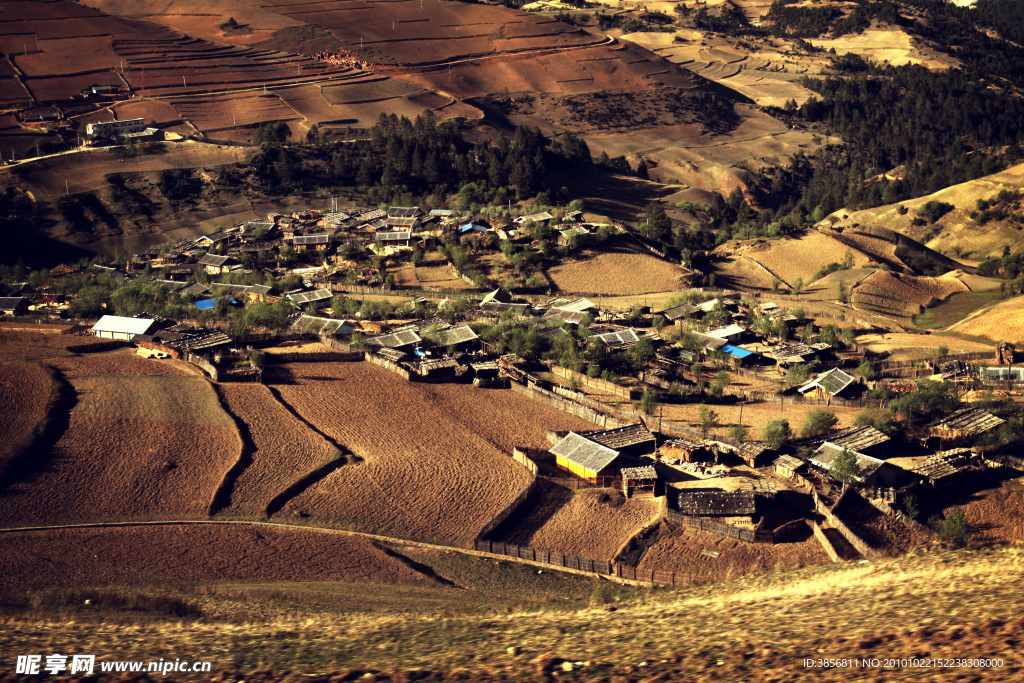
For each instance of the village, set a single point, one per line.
(840, 447)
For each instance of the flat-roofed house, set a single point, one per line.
(118, 327)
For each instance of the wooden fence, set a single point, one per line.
(388, 365)
(836, 523)
(825, 542)
(322, 357)
(581, 411)
(506, 511)
(597, 383)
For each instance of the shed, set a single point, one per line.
(118, 327)
(717, 503)
(642, 481)
(585, 458)
(677, 314)
(940, 467)
(789, 466)
(683, 449)
(755, 454)
(739, 355)
(866, 440)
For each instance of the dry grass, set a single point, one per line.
(617, 274)
(590, 523)
(757, 415)
(1002, 322)
(925, 291)
(436, 462)
(802, 258)
(135, 448)
(285, 448)
(893, 342)
(25, 390)
(124, 363)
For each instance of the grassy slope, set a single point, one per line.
(937, 604)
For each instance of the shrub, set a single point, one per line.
(910, 507)
(649, 402)
(776, 433)
(844, 468)
(818, 423)
(954, 529)
(738, 432)
(257, 359)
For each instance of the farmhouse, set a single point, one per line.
(534, 218)
(873, 472)
(393, 238)
(964, 425)
(207, 241)
(13, 305)
(585, 458)
(395, 340)
(617, 340)
(258, 293)
(118, 327)
(578, 305)
(827, 384)
(678, 314)
(316, 298)
(566, 237)
(405, 212)
(730, 333)
(323, 326)
(717, 503)
(115, 128)
(461, 337)
(867, 440)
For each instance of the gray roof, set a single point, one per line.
(827, 452)
(833, 382)
(212, 260)
(858, 438)
(497, 296)
(455, 335)
(395, 339)
(568, 316)
(196, 289)
(404, 212)
(971, 421)
(392, 235)
(642, 472)
(727, 331)
(307, 297)
(116, 323)
(573, 304)
(678, 312)
(9, 303)
(305, 240)
(751, 449)
(259, 289)
(617, 338)
(788, 461)
(308, 323)
(622, 437)
(581, 451)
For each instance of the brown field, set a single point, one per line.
(69, 55)
(25, 390)
(1002, 322)
(135, 448)
(888, 45)
(757, 415)
(925, 291)
(66, 558)
(123, 362)
(790, 259)
(151, 110)
(286, 449)
(221, 113)
(15, 346)
(681, 553)
(436, 470)
(65, 87)
(617, 273)
(579, 522)
(88, 170)
(894, 341)
(996, 515)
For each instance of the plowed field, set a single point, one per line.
(135, 448)
(617, 274)
(123, 363)
(25, 389)
(581, 524)
(15, 346)
(682, 554)
(437, 462)
(68, 558)
(286, 449)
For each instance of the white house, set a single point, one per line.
(118, 327)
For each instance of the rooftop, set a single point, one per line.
(395, 339)
(827, 452)
(970, 421)
(717, 503)
(581, 451)
(642, 472)
(832, 382)
(622, 437)
(120, 324)
(859, 438)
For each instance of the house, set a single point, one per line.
(395, 340)
(578, 304)
(258, 293)
(617, 340)
(717, 503)
(789, 466)
(393, 238)
(207, 241)
(500, 301)
(964, 425)
(730, 333)
(639, 481)
(828, 384)
(461, 337)
(740, 356)
(631, 440)
(316, 298)
(215, 265)
(110, 129)
(498, 296)
(585, 458)
(118, 327)
(305, 242)
(677, 314)
(867, 440)
(472, 227)
(307, 324)
(567, 237)
(873, 472)
(13, 305)
(755, 454)
(534, 218)
(405, 212)
(402, 223)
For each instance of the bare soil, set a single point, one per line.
(617, 274)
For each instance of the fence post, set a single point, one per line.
(673, 578)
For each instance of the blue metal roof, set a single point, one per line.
(472, 226)
(209, 304)
(736, 351)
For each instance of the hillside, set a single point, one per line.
(960, 231)
(468, 619)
